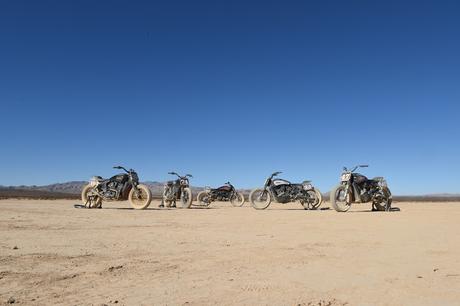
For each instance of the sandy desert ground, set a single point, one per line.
(52, 253)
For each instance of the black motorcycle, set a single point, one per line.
(124, 186)
(356, 188)
(178, 189)
(224, 193)
(283, 192)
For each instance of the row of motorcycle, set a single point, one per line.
(353, 188)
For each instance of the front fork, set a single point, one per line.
(136, 190)
(347, 192)
(264, 191)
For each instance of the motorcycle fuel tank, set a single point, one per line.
(279, 182)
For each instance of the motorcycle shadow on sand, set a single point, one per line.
(392, 209)
(151, 207)
(296, 209)
(81, 206)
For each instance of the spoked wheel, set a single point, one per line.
(314, 200)
(186, 198)
(90, 200)
(237, 199)
(340, 200)
(260, 198)
(385, 203)
(203, 198)
(141, 197)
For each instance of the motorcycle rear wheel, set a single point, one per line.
(238, 199)
(203, 198)
(141, 198)
(256, 198)
(186, 198)
(318, 199)
(84, 198)
(385, 205)
(339, 200)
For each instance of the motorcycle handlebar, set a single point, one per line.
(355, 167)
(182, 177)
(122, 168)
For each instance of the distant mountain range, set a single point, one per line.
(73, 189)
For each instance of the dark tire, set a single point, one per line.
(257, 202)
(84, 198)
(341, 204)
(203, 198)
(141, 198)
(237, 200)
(186, 198)
(386, 204)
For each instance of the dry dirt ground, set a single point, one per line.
(52, 253)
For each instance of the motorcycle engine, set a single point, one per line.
(285, 193)
(366, 195)
(281, 190)
(112, 189)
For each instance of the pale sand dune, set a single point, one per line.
(226, 255)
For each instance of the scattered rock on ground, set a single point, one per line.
(115, 268)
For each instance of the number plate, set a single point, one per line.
(345, 177)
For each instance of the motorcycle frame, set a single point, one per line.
(212, 193)
(132, 182)
(268, 187)
(355, 189)
(178, 185)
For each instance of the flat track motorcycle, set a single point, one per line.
(178, 189)
(356, 188)
(224, 193)
(123, 186)
(283, 191)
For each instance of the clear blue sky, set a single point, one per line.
(231, 90)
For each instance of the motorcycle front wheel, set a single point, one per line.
(186, 198)
(203, 198)
(260, 198)
(340, 201)
(316, 198)
(140, 198)
(237, 199)
(89, 203)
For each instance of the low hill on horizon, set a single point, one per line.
(72, 190)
